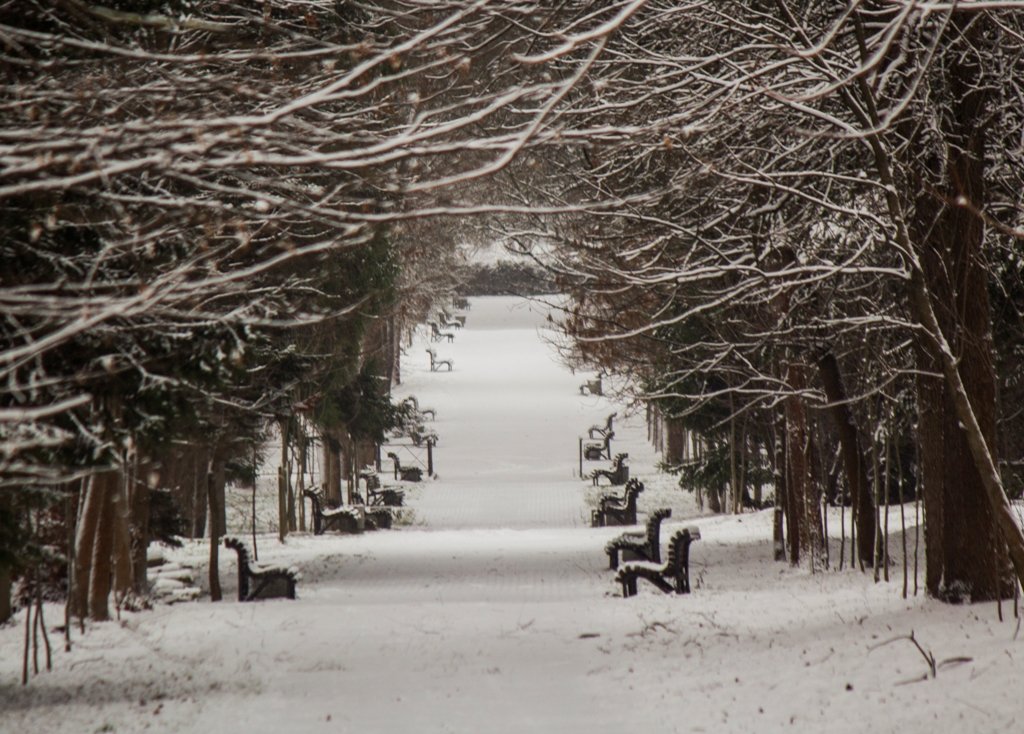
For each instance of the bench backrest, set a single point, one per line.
(314, 498)
(318, 510)
(243, 564)
(679, 551)
(633, 489)
(654, 531)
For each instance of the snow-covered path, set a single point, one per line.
(494, 612)
(509, 418)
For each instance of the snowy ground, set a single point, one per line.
(493, 610)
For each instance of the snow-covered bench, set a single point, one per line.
(671, 576)
(604, 430)
(603, 450)
(405, 473)
(437, 335)
(414, 404)
(617, 475)
(446, 321)
(640, 546)
(259, 581)
(615, 510)
(436, 364)
(592, 387)
(377, 496)
(343, 519)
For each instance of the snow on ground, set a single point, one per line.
(495, 612)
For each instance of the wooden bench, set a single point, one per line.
(644, 546)
(592, 387)
(671, 576)
(343, 519)
(604, 430)
(446, 321)
(377, 496)
(615, 510)
(420, 436)
(436, 364)
(437, 335)
(405, 473)
(597, 451)
(413, 404)
(258, 581)
(617, 475)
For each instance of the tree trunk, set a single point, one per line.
(139, 501)
(104, 486)
(934, 272)
(950, 299)
(734, 471)
(6, 607)
(303, 461)
(200, 486)
(675, 452)
(6, 603)
(332, 468)
(282, 484)
(215, 477)
(122, 553)
(853, 456)
(90, 509)
(803, 492)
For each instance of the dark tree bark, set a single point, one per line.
(966, 553)
(675, 448)
(781, 489)
(853, 457)
(215, 476)
(803, 492)
(332, 468)
(199, 461)
(139, 501)
(100, 572)
(5, 593)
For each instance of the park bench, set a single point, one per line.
(259, 581)
(405, 473)
(343, 519)
(437, 335)
(592, 387)
(420, 436)
(377, 496)
(436, 364)
(413, 404)
(671, 576)
(594, 451)
(604, 430)
(643, 546)
(615, 510)
(447, 322)
(617, 475)
(460, 303)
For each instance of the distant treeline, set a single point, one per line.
(507, 278)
